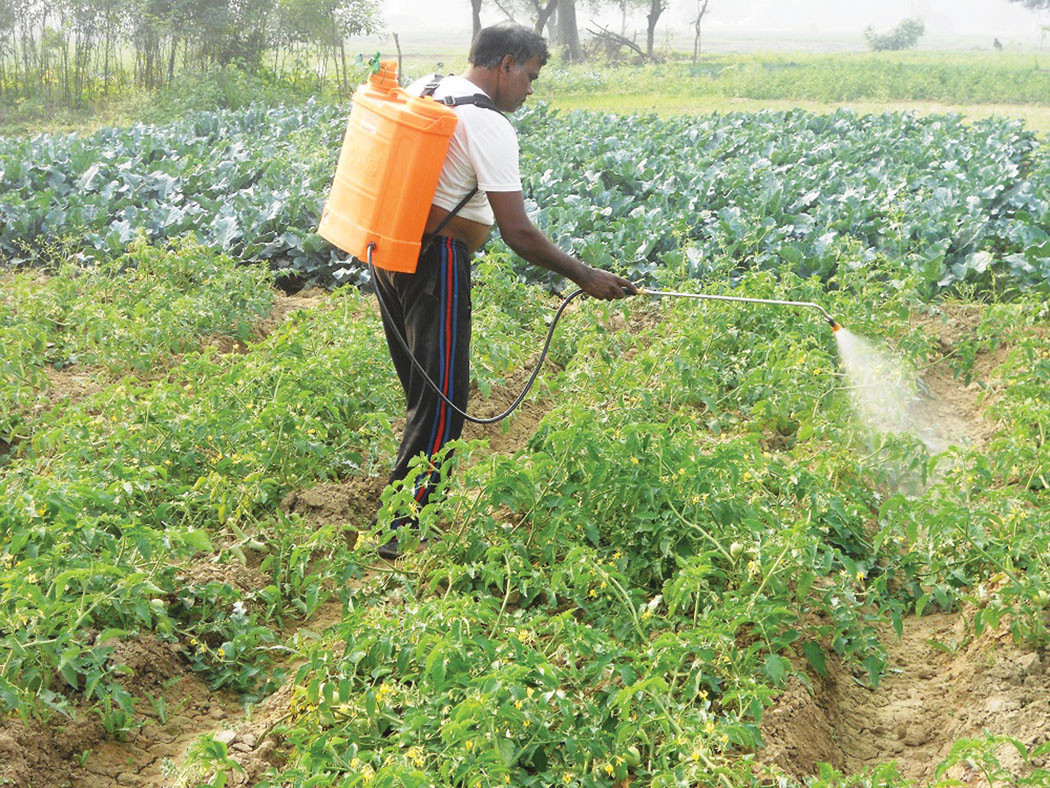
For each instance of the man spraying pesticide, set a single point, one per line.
(424, 283)
(423, 175)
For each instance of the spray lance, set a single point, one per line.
(554, 323)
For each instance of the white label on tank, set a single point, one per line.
(368, 122)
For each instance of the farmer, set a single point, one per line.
(431, 308)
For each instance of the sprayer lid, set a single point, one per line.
(385, 79)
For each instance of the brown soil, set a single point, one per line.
(350, 501)
(952, 414)
(73, 383)
(285, 304)
(928, 699)
(243, 578)
(49, 755)
(954, 411)
(510, 434)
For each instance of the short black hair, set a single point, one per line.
(494, 43)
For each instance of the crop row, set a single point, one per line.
(806, 193)
(129, 314)
(696, 518)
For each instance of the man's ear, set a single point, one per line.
(506, 63)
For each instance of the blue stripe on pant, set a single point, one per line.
(431, 310)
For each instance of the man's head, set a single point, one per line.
(496, 42)
(505, 59)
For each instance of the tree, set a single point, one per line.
(626, 8)
(701, 9)
(1035, 5)
(475, 15)
(656, 7)
(904, 36)
(543, 14)
(568, 32)
(324, 25)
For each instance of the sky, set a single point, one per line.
(806, 18)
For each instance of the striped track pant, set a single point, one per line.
(431, 310)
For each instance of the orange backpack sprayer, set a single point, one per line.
(392, 154)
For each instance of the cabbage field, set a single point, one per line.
(687, 561)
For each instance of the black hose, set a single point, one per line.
(419, 368)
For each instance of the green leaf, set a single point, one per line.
(815, 656)
(8, 694)
(805, 582)
(198, 540)
(776, 668)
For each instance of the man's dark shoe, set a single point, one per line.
(391, 550)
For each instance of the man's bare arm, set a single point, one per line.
(529, 242)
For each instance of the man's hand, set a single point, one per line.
(608, 287)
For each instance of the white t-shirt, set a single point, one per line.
(483, 152)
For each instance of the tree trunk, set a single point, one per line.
(656, 7)
(700, 11)
(105, 63)
(171, 59)
(342, 56)
(543, 15)
(568, 33)
(475, 12)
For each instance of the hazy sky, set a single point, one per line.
(809, 18)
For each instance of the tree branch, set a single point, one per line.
(609, 38)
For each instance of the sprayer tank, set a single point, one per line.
(392, 155)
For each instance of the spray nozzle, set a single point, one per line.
(834, 325)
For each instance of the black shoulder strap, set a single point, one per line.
(478, 99)
(432, 85)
